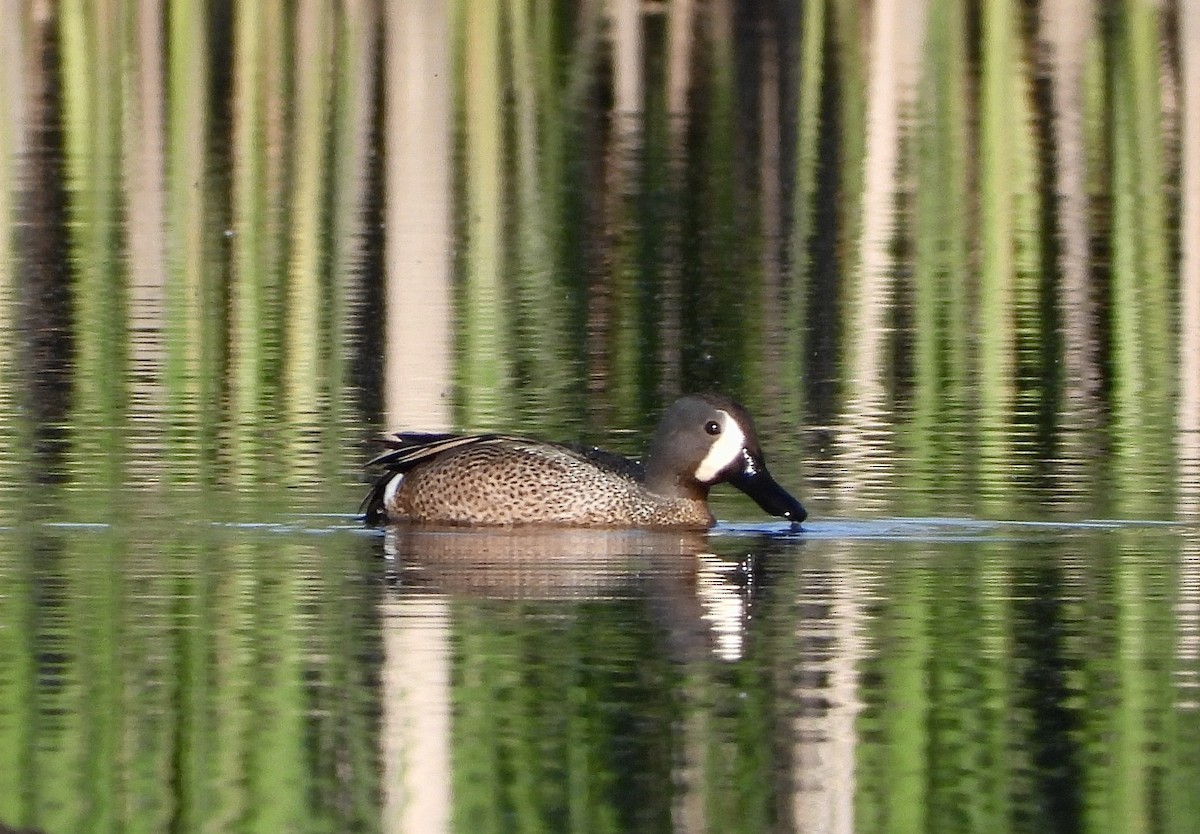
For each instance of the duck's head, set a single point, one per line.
(707, 439)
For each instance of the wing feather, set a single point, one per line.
(408, 449)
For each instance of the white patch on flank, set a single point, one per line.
(389, 491)
(726, 448)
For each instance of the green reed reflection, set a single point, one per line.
(191, 347)
(1002, 677)
(1142, 319)
(258, 193)
(546, 735)
(941, 251)
(188, 689)
(544, 103)
(486, 348)
(91, 50)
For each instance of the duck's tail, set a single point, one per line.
(374, 506)
(406, 450)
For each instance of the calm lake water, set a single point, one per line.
(948, 256)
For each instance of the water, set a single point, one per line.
(947, 259)
(305, 673)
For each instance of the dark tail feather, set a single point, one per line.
(372, 506)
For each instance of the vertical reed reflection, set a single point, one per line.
(91, 75)
(307, 241)
(891, 87)
(1142, 349)
(352, 226)
(771, 380)
(14, 140)
(1003, 134)
(825, 687)
(195, 322)
(943, 275)
(625, 19)
(695, 296)
(1187, 424)
(418, 101)
(810, 88)
(15, 88)
(144, 192)
(1068, 26)
(866, 435)
(40, 300)
(546, 366)
(259, 197)
(614, 302)
(681, 36)
(485, 349)
(416, 683)
(1186, 678)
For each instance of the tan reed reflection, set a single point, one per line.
(828, 648)
(416, 714)
(865, 437)
(418, 96)
(1187, 424)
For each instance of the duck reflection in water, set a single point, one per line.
(700, 599)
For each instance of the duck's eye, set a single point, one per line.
(712, 427)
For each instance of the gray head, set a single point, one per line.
(705, 439)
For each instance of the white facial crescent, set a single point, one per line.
(726, 448)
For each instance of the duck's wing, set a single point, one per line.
(409, 449)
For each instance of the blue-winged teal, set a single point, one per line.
(488, 479)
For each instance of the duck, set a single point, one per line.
(505, 480)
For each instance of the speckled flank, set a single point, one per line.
(510, 482)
